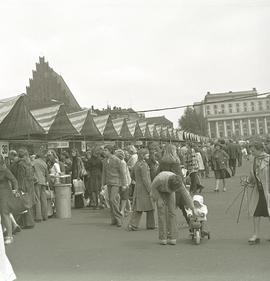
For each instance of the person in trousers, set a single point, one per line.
(163, 193)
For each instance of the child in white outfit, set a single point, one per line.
(200, 212)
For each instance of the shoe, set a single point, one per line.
(16, 230)
(254, 240)
(131, 228)
(163, 242)
(8, 240)
(216, 190)
(172, 241)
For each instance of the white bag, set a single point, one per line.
(79, 187)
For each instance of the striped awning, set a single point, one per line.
(84, 123)
(16, 120)
(78, 119)
(105, 126)
(6, 105)
(122, 128)
(54, 121)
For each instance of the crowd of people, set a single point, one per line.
(129, 181)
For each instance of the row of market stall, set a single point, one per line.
(51, 123)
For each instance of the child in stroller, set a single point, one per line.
(198, 220)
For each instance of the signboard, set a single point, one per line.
(83, 146)
(4, 148)
(58, 144)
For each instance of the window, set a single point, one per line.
(230, 105)
(230, 110)
(208, 112)
(222, 106)
(268, 106)
(260, 108)
(252, 108)
(237, 105)
(252, 103)
(208, 107)
(222, 111)
(237, 109)
(267, 101)
(215, 106)
(245, 109)
(215, 111)
(245, 104)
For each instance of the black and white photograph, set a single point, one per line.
(135, 140)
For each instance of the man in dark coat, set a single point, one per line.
(233, 151)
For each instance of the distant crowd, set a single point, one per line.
(129, 181)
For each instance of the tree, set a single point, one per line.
(193, 122)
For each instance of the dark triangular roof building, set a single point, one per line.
(47, 87)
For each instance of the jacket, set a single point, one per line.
(113, 172)
(40, 171)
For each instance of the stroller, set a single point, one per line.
(196, 229)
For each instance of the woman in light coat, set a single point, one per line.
(259, 180)
(142, 201)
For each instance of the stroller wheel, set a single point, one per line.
(208, 235)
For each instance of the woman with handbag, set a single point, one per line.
(6, 198)
(77, 173)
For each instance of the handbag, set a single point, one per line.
(79, 187)
(49, 194)
(21, 203)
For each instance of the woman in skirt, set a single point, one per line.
(260, 194)
(219, 161)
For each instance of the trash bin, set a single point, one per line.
(63, 200)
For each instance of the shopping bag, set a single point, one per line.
(79, 187)
(21, 203)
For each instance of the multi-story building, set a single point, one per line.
(237, 114)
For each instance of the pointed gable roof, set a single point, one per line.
(105, 126)
(153, 131)
(16, 120)
(135, 129)
(54, 121)
(84, 123)
(122, 128)
(145, 129)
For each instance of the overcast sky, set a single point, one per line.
(140, 53)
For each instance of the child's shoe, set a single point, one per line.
(172, 241)
(163, 242)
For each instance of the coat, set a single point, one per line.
(219, 159)
(25, 178)
(94, 169)
(263, 175)
(142, 199)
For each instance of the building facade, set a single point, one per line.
(237, 114)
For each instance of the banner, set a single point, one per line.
(58, 144)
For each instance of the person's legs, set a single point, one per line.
(256, 231)
(162, 224)
(114, 204)
(8, 226)
(44, 202)
(171, 219)
(224, 184)
(150, 220)
(217, 185)
(37, 209)
(135, 220)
